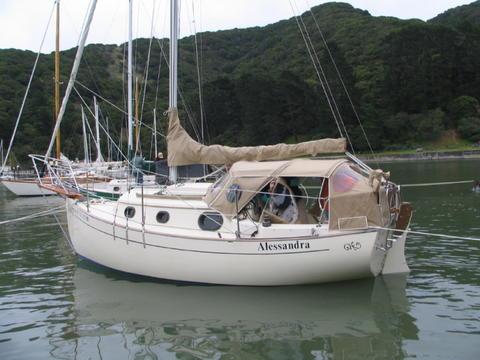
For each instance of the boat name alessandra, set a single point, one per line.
(296, 245)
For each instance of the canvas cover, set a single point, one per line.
(355, 201)
(295, 167)
(183, 150)
(247, 178)
(219, 195)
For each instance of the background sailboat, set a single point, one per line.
(30, 186)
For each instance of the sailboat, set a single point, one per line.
(258, 224)
(30, 186)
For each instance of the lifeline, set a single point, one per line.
(284, 246)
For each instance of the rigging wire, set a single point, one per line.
(115, 106)
(110, 138)
(200, 35)
(180, 93)
(47, 212)
(198, 20)
(427, 233)
(62, 228)
(330, 94)
(199, 79)
(94, 138)
(85, 56)
(28, 89)
(347, 93)
(123, 124)
(323, 73)
(108, 135)
(145, 79)
(74, 73)
(157, 85)
(104, 130)
(315, 65)
(186, 106)
(158, 82)
(439, 183)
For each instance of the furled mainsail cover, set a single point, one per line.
(183, 150)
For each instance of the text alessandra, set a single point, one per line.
(297, 245)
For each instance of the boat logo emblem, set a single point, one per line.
(352, 246)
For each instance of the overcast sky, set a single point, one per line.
(23, 22)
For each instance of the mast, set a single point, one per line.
(173, 69)
(85, 140)
(109, 144)
(1, 148)
(129, 72)
(73, 75)
(97, 131)
(155, 131)
(57, 78)
(137, 118)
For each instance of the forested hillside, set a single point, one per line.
(410, 81)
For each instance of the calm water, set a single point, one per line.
(53, 306)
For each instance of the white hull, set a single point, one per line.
(167, 253)
(26, 188)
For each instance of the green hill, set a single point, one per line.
(462, 17)
(409, 80)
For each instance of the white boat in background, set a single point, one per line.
(25, 187)
(113, 188)
(31, 186)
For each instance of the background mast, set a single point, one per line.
(173, 69)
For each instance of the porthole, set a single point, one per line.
(210, 221)
(116, 188)
(163, 217)
(129, 212)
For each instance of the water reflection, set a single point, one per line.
(49, 308)
(121, 316)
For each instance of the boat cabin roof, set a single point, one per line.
(295, 167)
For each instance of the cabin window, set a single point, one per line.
(234, 193)
(282, 204)
(218, 186)
(163, 217)
(116, 188)
(310, 194)
(210, 221)
(129, 212)
(345, 179)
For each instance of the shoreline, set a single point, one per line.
(424, 155)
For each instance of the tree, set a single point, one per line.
(462, 107)
(431, 125)
(469, 128)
